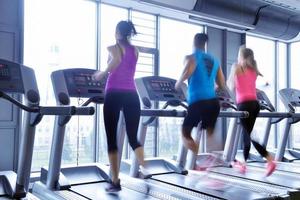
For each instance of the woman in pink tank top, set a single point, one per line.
(242, 81)
(120, 95)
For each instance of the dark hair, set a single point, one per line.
(200, 39)
(126, 29)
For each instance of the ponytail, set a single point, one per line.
(126, 30)
(133, 30)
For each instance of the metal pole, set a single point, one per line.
(56, 153)
(283, 142)
(141, 138)
(25, 153)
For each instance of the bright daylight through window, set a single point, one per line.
(54, 40)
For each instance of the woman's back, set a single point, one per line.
(245, 84)
(122, 78)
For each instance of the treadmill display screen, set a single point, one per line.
(162, 86)
(155, 86)
(4, 72)
(79, 80)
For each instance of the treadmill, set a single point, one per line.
(164, 172)
(255, 158)
(291, 100)
(18, 79)
(288, 180)
(87, 181)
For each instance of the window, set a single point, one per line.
(264, 53)
(52, 41)
(145, 25)
(295, 71)
(176, 41)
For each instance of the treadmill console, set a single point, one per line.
(81, 84)
(290, 98)
(78, 82)
(10, 77)
(225, 99)
(157, 88)
(264, 101)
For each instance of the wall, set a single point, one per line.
(10, 49)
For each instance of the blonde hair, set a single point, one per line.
(248, 55)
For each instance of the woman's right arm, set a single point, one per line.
(114, 59)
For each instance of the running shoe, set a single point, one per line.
(271, 166)
(240, 166)
(113, 187)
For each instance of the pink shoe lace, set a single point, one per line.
(240, 166)
(270, 168)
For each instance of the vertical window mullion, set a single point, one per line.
(276, 85)
(98, 66)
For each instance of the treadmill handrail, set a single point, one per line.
(275, 115)
(95, 99)
(19, 104)
(163, 113)
(43, 110)
(84, 110)
(235, 114)
(182, 113)
(57, 110)
(295, 118)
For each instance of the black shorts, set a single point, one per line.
(204, 111)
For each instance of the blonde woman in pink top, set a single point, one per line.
(242, 81)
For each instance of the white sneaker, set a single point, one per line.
(144, 172)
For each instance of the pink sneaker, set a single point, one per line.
(240, 166)
(270, 168)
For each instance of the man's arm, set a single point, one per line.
(221, 79)
(187, 71)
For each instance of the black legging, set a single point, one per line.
(248, 123)
(114, 102)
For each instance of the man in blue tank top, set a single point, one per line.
(202, 71)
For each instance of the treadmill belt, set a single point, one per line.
(212, 186)
(258, 174)
(281, 166)
(96, 191)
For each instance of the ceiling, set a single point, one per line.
(278, 19)
(293, 5)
